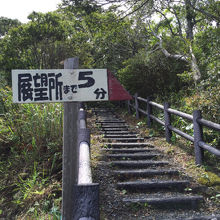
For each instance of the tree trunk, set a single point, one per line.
(190, 18)
(194, 66)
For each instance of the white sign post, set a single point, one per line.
(59, 85)
(71, 86)
(70, 149)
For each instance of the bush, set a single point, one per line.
(151, 74)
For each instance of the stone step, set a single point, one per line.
(111, 122)
(114, 126)
(102, 109)
(170, 202)
(150, 182)
(203, 217)
(128, 145)
(137, 156)
(127, 150)
(124, 139)
(120, 136)
(114, 129)
(104, 120)
(117, 132)
(143, 173)
(138, 163)
(136, 186)
(106, 114)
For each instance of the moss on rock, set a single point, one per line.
(209, 179)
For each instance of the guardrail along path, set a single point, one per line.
(143, 175)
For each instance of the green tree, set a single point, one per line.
(182, 20)
(43, 43)
(6, 24)
(81, 7)
(111, 39)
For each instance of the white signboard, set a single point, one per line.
(59, 85)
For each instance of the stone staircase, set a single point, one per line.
(141, 171)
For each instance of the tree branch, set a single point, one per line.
(171, 30)
(205, 13)
(139, 7)
(165, 52)
(178, 21)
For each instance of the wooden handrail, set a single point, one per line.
(196, 118)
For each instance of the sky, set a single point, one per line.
(20, 9)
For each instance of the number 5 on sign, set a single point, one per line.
(59, 85)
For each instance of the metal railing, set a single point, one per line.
(84, 171)
(196, 119)
(86, 202)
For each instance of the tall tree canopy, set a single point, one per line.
(167, 39)
(180, 20)
(6, 24)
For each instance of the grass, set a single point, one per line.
(31, 159)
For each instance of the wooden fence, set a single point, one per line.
(196, 119)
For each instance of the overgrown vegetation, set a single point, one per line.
(157, 48)
(31, 164)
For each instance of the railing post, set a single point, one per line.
(198, 136)
(136, 105)
(82, 119)
(81, 105)
(167, 117)
(129, 107)
(123, 104)
(149, 112)
(120, 104)
(87, 205)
